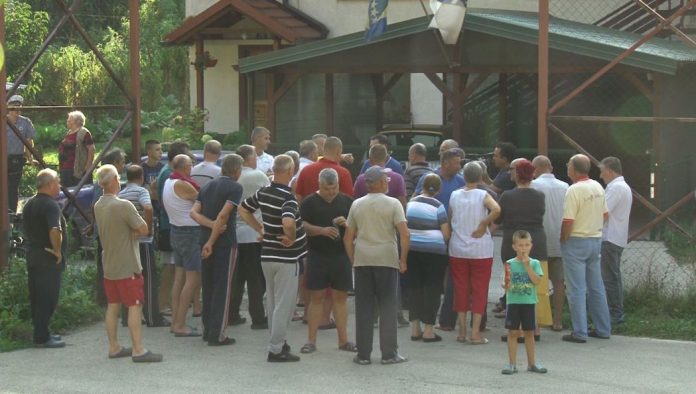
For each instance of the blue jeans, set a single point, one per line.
(584, 286)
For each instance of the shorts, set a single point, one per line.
(328, 271)
(163, 243)
(128, 292)
(186, 249)
(520, 314)
(556, 269)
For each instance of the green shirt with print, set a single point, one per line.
(522, 290)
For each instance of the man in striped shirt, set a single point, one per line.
(140, 198)
(282, 246)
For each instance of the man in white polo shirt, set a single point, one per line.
(584, 214)
(260, 139)
(615, 234)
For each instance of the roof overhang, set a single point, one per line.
(219, 20)
(417, 48)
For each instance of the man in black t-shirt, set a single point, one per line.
(44, 229)
(324, 214)
(503, 155)
(216, 211)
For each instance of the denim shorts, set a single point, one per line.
(186, 249)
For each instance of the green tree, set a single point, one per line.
(25, 29)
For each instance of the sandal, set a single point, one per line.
(308, 348)
(417, 337)
(147, 357)
(462, 340)
(124, 352)
(348, 347)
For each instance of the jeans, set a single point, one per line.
(376, 287)
(584, 287)
(611, 274)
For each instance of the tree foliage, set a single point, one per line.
(69, 73)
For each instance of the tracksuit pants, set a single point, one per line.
(44, 288)
(216, 276)
(281, 294)
(248, 270)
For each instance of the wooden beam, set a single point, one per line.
(441, 86)
(640, 85)
(391, 82)
(457, 118)
(288, 81)
(265, 21)
(200, 93)
(624, 119)
(329, 103)
(270, 103)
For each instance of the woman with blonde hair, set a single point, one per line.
(76, 151)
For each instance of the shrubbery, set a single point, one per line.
(76, 304)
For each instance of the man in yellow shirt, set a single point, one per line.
(584, 213)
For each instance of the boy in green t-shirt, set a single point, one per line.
(522, 274)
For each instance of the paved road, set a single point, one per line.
(621, 364)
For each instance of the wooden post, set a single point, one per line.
(200, 92)
(271, 103)
(4, 219)
(457, 119)
(503, 134)
(134, 54)
(329, 103)
(378, 84)
(543, 80)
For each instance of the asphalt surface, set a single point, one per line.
(620, 364)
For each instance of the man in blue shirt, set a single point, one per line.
(392, 163)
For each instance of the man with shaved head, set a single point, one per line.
(554, 190)
(584, 213)
(208, 169)
(417, 167)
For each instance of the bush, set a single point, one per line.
(76, 305)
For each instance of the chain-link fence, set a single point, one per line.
(654, 154)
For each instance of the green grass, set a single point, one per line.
(651, 312)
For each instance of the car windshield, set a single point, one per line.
(408, 139)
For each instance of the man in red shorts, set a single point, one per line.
(119, 226)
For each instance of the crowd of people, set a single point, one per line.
(298, 229)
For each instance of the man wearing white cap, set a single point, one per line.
(17, 153)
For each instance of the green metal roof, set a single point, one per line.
(658, 55)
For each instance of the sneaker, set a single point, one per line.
(282, 357)
(401, 321)
(361, 361)
(286, 348)
(509, 369)
(572, 338)
(397, 359)
(537, 368)
(50, 344)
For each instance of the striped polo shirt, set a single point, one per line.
(425, 215)
(139, 197)
(277, 202)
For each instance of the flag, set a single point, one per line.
(377, 13)
(448, 17)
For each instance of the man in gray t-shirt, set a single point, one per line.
(17, 153)
(373, 223)
(207, 170)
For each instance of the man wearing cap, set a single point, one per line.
(373, 223)
(17, 153)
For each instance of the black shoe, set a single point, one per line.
(259, 326)
(286, 348)
(50, 344)
(162, 322)
(282, 357)
(237, 320)
(224, 342)
(594, 334)
(572, 338)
